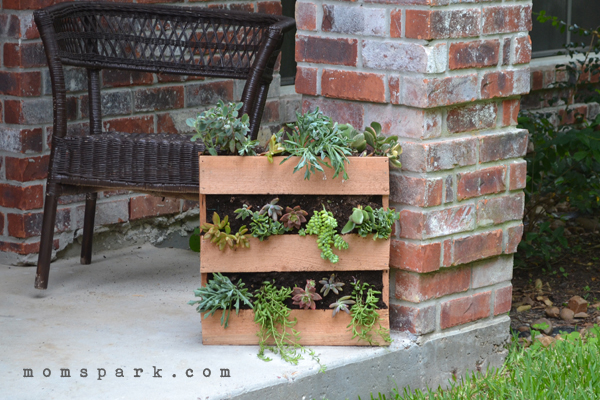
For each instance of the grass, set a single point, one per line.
(568, 369)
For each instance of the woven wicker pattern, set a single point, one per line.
(128, 160)
(158, 37)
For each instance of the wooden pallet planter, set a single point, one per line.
(230, 175)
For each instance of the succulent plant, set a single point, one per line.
(272, 209)
(379, 222)
(262, 226)
(275, 147)
(240, 237)
(305, 298)
(294, 217)
(361, 217)
(382, 145)
(219, 233)
(323, 224)
(243, 212)
(331, 284)
(342, 305)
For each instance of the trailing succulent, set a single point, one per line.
(305, 298)
(364, 314)
(294, 217)
(219, 233)
(221, 293)
(323, 224)
(220, 129)
(331, 285)
(378, 221)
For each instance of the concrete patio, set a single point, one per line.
(128, 310)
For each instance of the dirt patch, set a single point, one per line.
(340, 206)
(254, 281)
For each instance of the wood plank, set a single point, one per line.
(255, 175)
(288, 253)
(316, 327)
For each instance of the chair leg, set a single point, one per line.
(45, 256)
(88, 228)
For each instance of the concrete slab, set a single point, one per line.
(128, 310)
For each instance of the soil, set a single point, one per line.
(576, 272)
(340, 206)
(253, 281)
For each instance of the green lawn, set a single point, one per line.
(568, 369)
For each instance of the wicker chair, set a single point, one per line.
(151, 38)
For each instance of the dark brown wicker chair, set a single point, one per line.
(151, 38)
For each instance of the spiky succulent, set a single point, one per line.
(305, 298)
(342, 305)
(272, 209)
(294, 217)
(331, 284)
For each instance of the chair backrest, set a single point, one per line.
(170, 39)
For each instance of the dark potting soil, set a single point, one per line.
(253, 281)
(340, 206)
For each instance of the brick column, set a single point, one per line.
(445, 76)
(131, 102)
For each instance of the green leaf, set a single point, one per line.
(348, 227)
(357, 216)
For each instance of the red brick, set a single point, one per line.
(306, 16)
(506, 51)
(518, 175)
(500, 209)
(481, 182)
(23, 248)
(107, 212)
(504, 19)
(151, 206)
(169, 78)
(209, 93)
(27, 4)
(510, 112)
(1, 223)
(420, 192)
(34, 111)
(340, 111)
(353, 85)
(522, 50)
(497, 84)
(442, 24)
(326, 50)
(476, 54)
(435, 92)
(271, 112)
(420, 287)
(270, 7)
(503, 146)
(502, 300)
(26, 169)
(306, 80)
(416, 320)
(396, 23)
(28, 225)
(465, 309)
(449, 189)
(20, 26)
(430, 224)
(415, 257)
(514, 234)
(438, 156)
(448, 256)
(144, 124)
(22, 84)
(472, 117)
(477, 247)
(365, 21)
(116, 78)
(17, 140)
(21, 197)
(394, 87)
(1, 113)
(24, 55)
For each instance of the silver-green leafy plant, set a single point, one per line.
(341, 305)
(220, 129)
(262, 226)
(221, 294)
(272, 209)
(244, 212)
(323, 225)
(330, 285)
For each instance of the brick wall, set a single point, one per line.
(131, 101)
(446, 76)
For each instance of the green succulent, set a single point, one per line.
(341, 305)
(243, 212)
(274, 147)
(219, 128)
(364, 314)
(383, 145)
(221, 293)
(219, 233)
(262, 226)
(379, 222)
(331, 285)
(323, 225)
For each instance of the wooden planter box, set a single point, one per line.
(230, 175)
